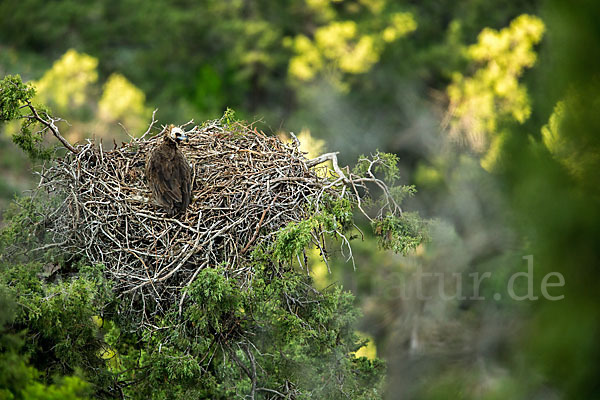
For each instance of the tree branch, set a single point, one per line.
(151, 123)
(50, 125)
(329, 157)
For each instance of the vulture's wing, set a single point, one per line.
(169, 182)
(159, 173)
(185, 177)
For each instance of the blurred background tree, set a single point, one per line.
(491, 106)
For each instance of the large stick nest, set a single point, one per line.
(246, 186)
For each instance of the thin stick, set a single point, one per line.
(50, 125)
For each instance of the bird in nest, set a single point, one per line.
(169, 174)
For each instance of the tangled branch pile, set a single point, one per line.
(246, 187)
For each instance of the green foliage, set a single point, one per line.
(50, 320)
(215, 301)
(62, 337)
(32, 143)
(71, 89)
(67, 85)
(229, 116)
(68, 388)
(400, 234)
(385, 164)
(247, 56)
(347, 46)
(13, 94)
(298, 336)
(123, 102)
(315, 330)
(556, 195)
(292, 239)
(493, 94)
(13, 238)
(401, 193)
(18, 379)
(336, 213)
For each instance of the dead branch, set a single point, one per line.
(50, 124)
(334, 161)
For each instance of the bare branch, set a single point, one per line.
(50, 125)
(328, 157)
(151, 124)
(261, 389)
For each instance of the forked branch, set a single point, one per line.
(50, 124)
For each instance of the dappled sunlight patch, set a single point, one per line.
(71, 89)
(341, 47)
(479, 103)
(123, 102)
(369, 349)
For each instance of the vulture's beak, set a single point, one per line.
(180, 135)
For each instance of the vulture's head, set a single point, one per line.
(176, 134)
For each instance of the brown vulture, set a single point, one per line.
(169, 174)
